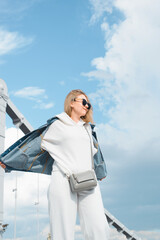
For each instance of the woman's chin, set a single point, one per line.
(82, 115)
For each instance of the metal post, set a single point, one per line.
(37, 205)
(3, 105)
(17, 124)
(15, 210)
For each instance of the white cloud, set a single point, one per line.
(44, 105)
(16, 238)
(127, 94)
(145, 235)
(129, 73)
(27, 198)
(30, 92)
(45, 232)
(11, 12)
(10, 41)
(8, 7)
(62, 83)
(149, 235)
(35, 94)
(12, 135)
(99, 7)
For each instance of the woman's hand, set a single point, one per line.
(102, 178)
(2, 165)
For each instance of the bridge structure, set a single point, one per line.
(7, 106)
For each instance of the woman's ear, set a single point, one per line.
(71, 104)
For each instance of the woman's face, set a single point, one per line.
(78, 107)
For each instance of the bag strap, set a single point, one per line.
(91, 146)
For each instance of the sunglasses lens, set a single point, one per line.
(84, 102)
(89, 106)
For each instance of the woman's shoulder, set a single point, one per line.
(52, 123)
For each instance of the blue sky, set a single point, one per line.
(110, 49)
(60, 45)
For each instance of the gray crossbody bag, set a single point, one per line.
(84, 180)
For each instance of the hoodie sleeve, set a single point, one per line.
(49, 137)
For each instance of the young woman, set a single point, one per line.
(68, 142)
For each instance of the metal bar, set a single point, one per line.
(3, 104)
(120, 227)
(18, 118)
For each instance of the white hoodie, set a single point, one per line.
(69, 144)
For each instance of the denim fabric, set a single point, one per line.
(26, 154)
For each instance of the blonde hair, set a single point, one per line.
(67, 107)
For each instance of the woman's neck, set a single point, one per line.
(75, 117)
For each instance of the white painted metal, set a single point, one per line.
(17, 117)
(16, 192)
(6, 105)
(3, 105)
(37, 206)
(15, 210)
(120, 227)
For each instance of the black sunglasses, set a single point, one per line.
(84, 102)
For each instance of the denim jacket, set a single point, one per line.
(27, 155)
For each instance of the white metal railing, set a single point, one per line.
(120, 227)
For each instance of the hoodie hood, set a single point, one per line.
(68, 120)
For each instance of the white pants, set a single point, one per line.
(63, 207)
